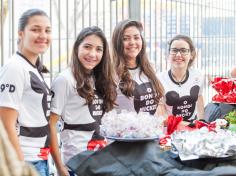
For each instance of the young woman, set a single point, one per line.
(139, 88)
(24, 96)
(81, 95)
(183, 85)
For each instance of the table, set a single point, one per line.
(146, 159)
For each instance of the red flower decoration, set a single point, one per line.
(231, 98)
(172, 123)
(226, 89)
(218, 98)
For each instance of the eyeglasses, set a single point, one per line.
(183, 51)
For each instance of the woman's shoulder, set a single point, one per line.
(64, 77)
(196, 75)
(67, 73)
(195, 71)
(13, 66)
(162, 74)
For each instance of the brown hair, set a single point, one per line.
(127, 85)
(190, 43)
(104, 82)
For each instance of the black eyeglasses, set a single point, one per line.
(183, 51)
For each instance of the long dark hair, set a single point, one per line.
(190, 43)
(23, 21)
(142, 60)
(104, 82)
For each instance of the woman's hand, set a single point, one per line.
(200, 107)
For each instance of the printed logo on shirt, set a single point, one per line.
(183, 106)
(52, 93)
(96, 111)
(96, 108)
(8, 87)
(144, 98)
(39, 87)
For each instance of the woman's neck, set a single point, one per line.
(31, 57)
(132, 65)
(88, 72)
(179, 74)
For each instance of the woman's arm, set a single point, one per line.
(161, 111)
(9, 118)
(55, 152)
(200, 107)
(233, 72)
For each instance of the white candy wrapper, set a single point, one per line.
(131, 125)
(201, 143)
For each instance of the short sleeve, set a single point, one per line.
(60, 93)
(201, 83)
(159, 76)
(12, 81)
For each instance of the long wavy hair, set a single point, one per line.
(127, 85)
(104, 82)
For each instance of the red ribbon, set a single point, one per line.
(163, 140)
(211, 126)
(172, 123)
(44, 152)
(96, 144)
(173, 126)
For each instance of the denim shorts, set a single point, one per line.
(41, 166)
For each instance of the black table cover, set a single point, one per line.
(146, 159)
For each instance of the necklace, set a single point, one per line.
(177, 81)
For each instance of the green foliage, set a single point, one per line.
(231, 117)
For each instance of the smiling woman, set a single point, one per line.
(81, 95)
(132, 45)
(90, 52)
(25, 97)
(183, 85)
(35, 37)
(136, 77)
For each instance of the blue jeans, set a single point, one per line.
(71, 173)
(41, 166)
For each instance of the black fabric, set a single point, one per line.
(181, 82)
(34, 131)
(145, 159)
(80, 127)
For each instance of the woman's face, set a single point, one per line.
(179, 54)
(132, 42)
(36, 37)
(90, 52)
